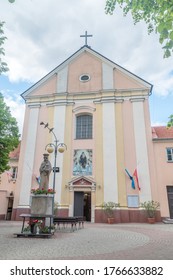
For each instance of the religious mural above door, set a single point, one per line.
(82, 162)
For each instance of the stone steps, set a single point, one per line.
(167, 221)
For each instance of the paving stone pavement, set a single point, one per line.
(133, 241)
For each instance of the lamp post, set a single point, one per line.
(57, 147)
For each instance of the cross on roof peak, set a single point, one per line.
(86, 37)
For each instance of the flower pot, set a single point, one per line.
(151, 220)
(111, 220)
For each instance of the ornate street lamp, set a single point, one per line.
(50, 148)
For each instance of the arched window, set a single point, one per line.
(84, 125)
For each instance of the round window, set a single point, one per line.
(84, 78)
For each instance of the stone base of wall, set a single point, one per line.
(121, 216)
(125, 216)
(2, 217)
(17, 212)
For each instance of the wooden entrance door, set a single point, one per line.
(170, 200)
(82, 205)
(78, 204)
(87, 206)
(9, 208)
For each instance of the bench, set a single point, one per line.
(73, 221)
(80, 221)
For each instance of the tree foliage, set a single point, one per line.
(9, 134)
(170, 122)
(3, 65)
(158, 15)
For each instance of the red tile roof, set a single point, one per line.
(162, 132)
(15, 154)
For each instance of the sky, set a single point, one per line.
(41, 34)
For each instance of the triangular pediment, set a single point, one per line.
(82, 181)
(65, 78)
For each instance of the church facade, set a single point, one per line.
(101, 112)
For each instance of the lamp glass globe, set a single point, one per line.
(50, 149)
(61, 149)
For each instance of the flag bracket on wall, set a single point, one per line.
(134, 179)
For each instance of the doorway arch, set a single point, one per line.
(82, 198)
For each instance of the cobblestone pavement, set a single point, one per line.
(94, 242)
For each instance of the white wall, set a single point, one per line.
(141, 151)
(28, 161)
(109, 154)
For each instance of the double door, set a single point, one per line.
(82, 205)
(170, 200)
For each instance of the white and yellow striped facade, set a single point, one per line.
(118, 103)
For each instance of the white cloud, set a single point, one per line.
(158, 124)
(41, 37)
(42, 34)
(163, 84)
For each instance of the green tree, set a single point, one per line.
(3, 65)
(170, 122)
(9, 134)
(158, 15)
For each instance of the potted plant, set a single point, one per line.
(109, 208)
(151, 207)
(45, 230)
(52, 229)
(48, 229)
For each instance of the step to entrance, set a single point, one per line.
(167, 221)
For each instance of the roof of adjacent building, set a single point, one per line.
(162, 132)
(15, 153)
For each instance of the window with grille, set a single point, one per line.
(14, 173)
(84, 127)
(169, 154)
